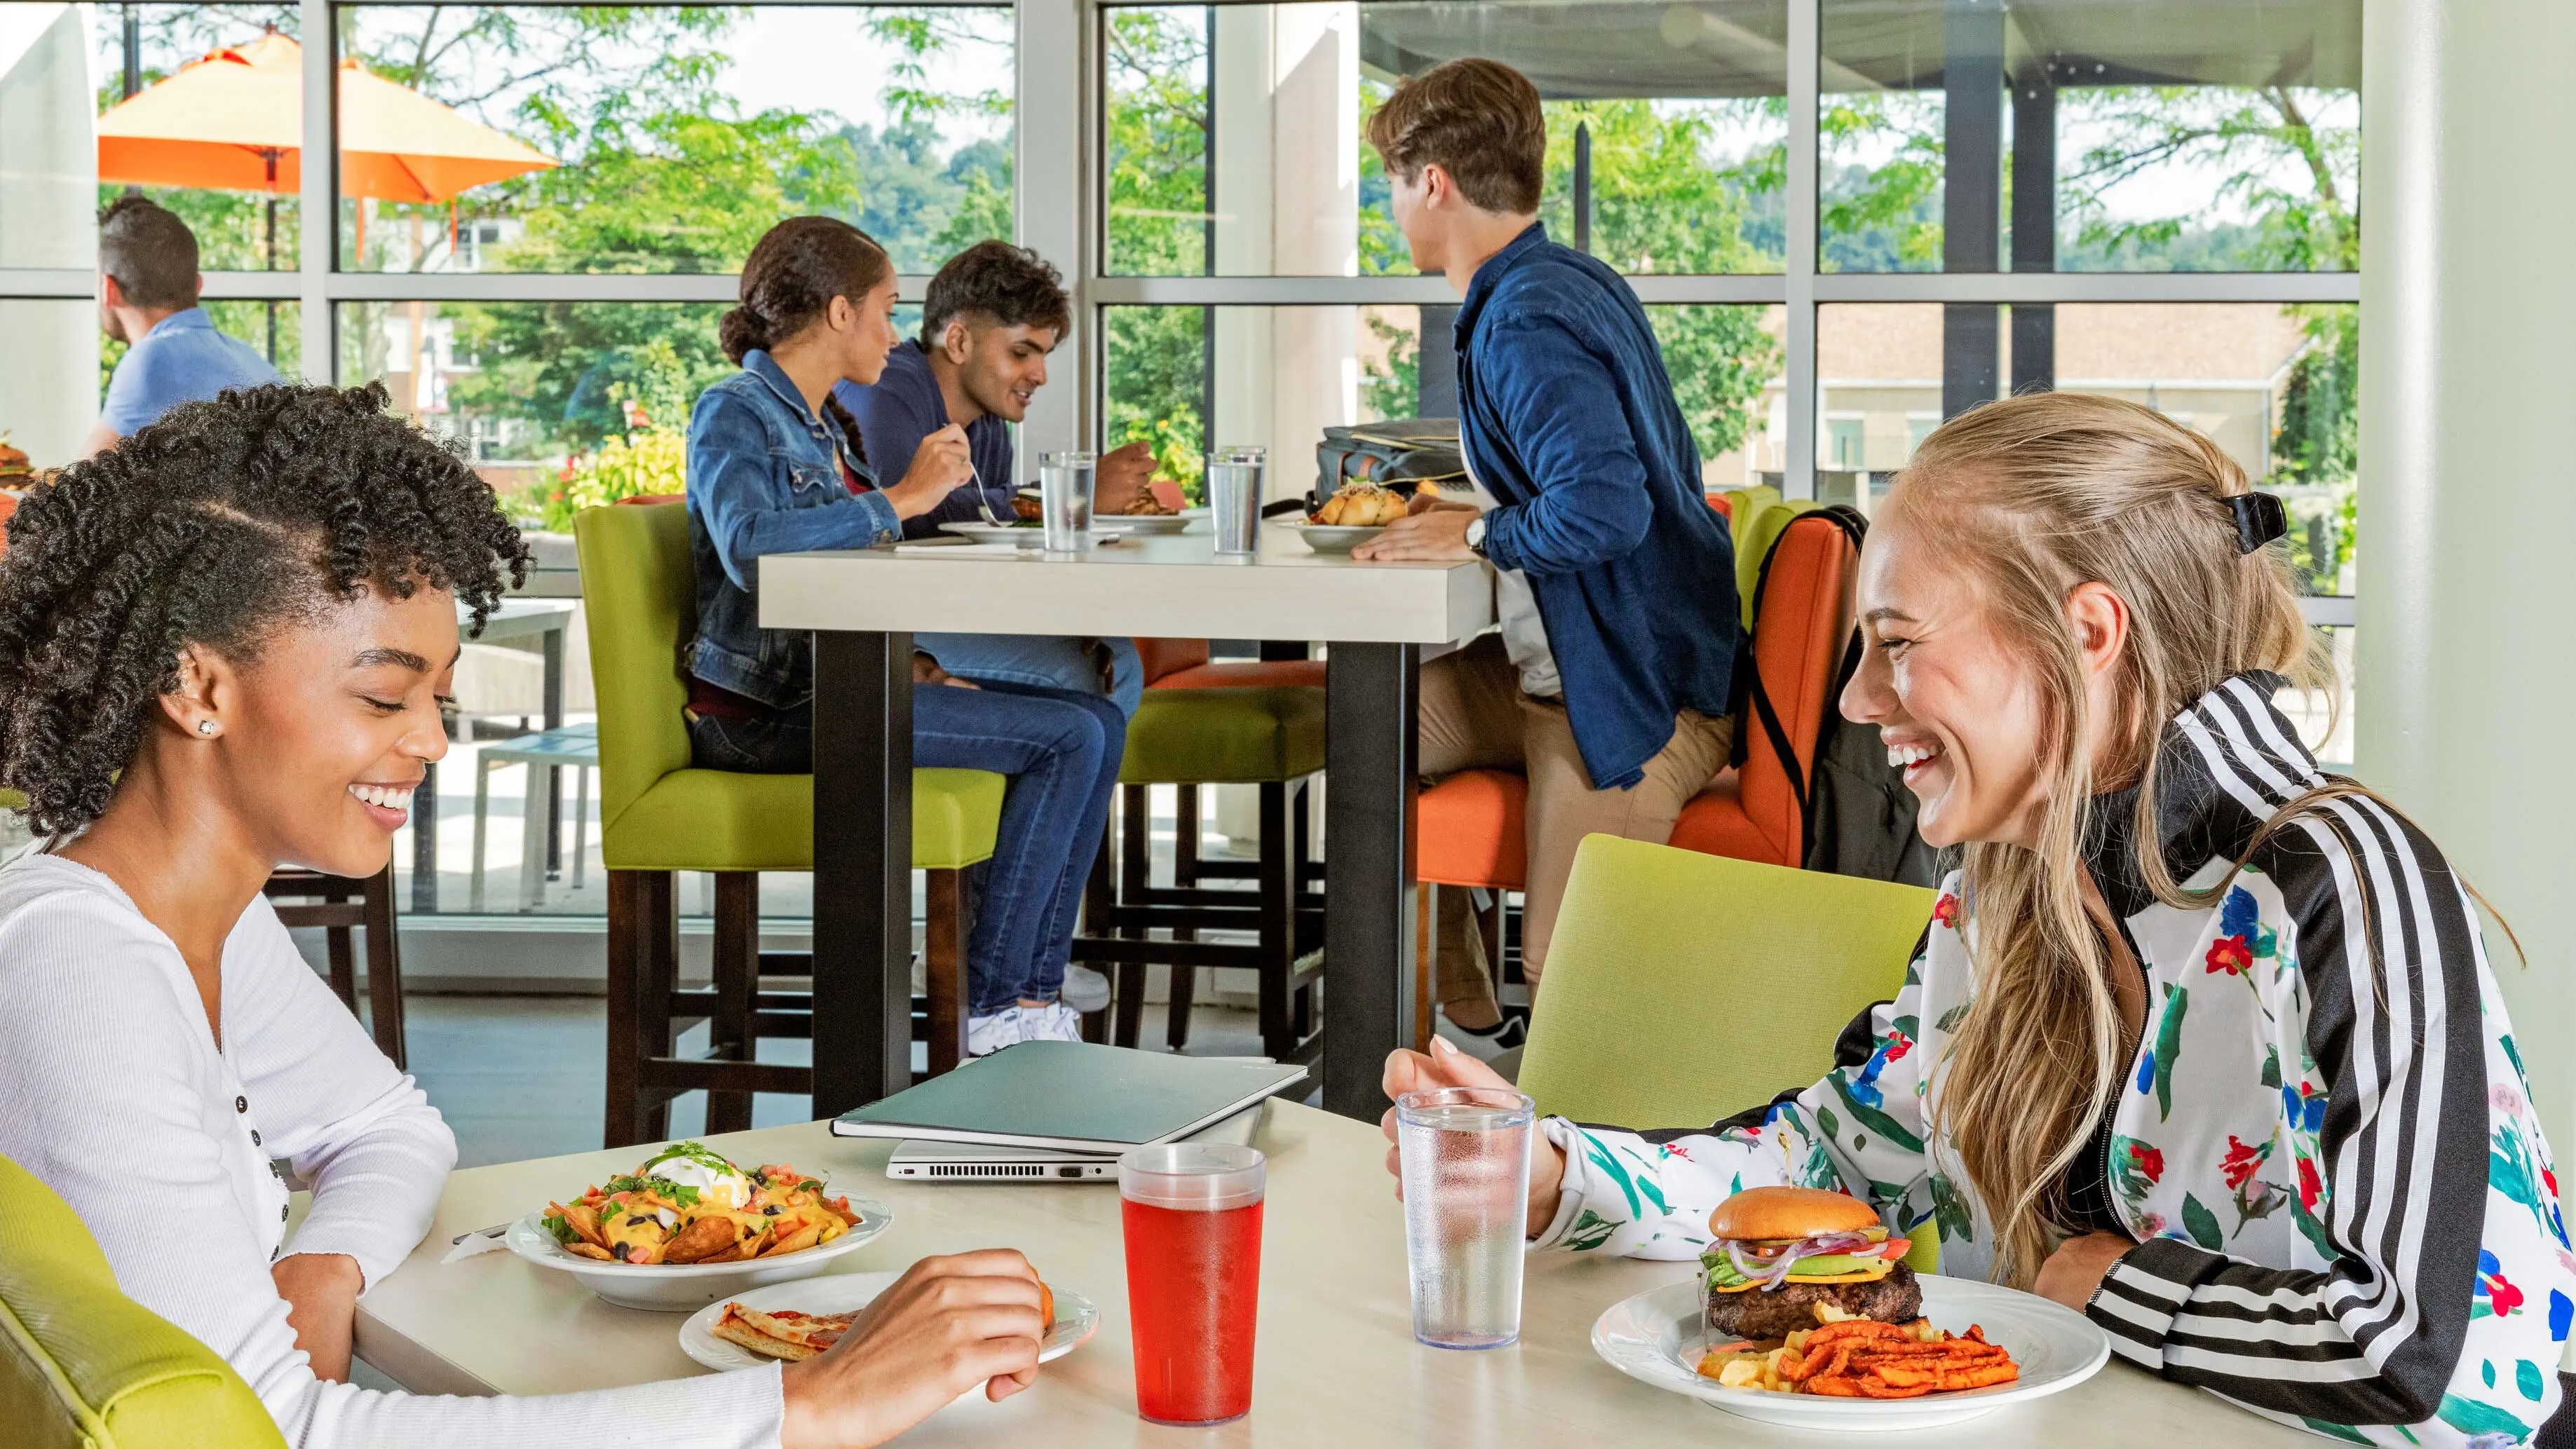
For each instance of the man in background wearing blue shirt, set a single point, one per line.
(147, 299)
(1610, 681)
(990, 318)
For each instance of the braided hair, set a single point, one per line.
(788, 282)
(216, 526)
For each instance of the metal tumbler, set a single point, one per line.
(1234, 478)
(1065, 484)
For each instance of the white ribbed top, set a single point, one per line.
(119, 1099)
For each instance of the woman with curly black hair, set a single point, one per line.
(223, 647)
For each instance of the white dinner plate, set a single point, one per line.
(1657, 1337)
(1076, 1318)
(1330, 537)
(680, 1287)
(1030, 534)
(1142, 523)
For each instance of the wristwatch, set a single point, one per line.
(1476, 535)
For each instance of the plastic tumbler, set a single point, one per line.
(1234, 497)
(1193, 1218)
(1465, 1158)
(1065, 484)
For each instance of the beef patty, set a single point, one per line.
(1775, 1313)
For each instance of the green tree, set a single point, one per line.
(1156, 153)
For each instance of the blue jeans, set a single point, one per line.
(1061, 750)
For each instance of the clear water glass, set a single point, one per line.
(1234, 481)
(1066, 481)
(1465, 1156)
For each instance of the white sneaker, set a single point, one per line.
(1054, 1021)
(986, 1035)
(1085, 989)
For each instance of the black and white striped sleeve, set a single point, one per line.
(2442, 1290)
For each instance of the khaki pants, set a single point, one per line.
(1474, 716)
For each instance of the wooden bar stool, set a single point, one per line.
(660, 815)
(341, 906)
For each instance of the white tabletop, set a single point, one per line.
(1336, 1362)
(1165, 586)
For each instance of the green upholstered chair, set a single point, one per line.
(82, 1366)
(1201, 723)
(660, 815)
(1682, 988)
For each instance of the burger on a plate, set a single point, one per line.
(1778, 1252)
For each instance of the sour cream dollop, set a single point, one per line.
(716, 1180)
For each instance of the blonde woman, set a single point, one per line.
(2199, 1041)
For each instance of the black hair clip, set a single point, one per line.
(2259, 519)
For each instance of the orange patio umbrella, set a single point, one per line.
(234, 121)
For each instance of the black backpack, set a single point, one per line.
(1399, 453)
(1858, 813)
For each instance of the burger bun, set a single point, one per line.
(1760, 1214)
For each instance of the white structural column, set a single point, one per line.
(1053, 199)
(2467, 435)
(1287, 204)
(48, 193)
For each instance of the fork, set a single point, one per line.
(983, 500)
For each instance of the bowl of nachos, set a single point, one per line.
(688, 1228)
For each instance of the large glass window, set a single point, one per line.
(2075, 135)
(1236, 133)
(479, 138)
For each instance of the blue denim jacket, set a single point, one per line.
(1568, 419)
(764, 478)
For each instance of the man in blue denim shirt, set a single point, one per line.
(776, 466)
(988, 321)
(1609, 682)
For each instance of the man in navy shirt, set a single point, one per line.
(1609, 682)
(147, 299)
(990, 318)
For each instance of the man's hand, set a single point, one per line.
(1411, 1071)
(321, 1293)
(926, 670)
(1437, 534)
(940, 466)
(1123, 474)
(2075, 1271)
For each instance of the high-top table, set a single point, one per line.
(863, 608)
(1335, 1362)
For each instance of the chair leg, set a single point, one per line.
(384, 967)
(580, 822)
(1185, 874)
(532, 840)
(1278, 890)
(629, 918)
(482, 820)
(943, 960)
(1426, 937)
(344, 964)
(1135, 876)
(736, 968)
(1099, 899)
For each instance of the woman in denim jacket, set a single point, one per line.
(777, 466)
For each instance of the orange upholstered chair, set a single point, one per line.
(1472, 830)
(1804, 621)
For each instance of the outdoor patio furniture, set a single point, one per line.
(573, 747)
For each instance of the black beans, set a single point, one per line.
(772, 1210)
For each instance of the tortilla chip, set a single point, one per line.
(700, 1240)
(732, 1254)
(803, 1238)
(585, 1221)
(589, 1250)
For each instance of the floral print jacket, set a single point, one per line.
(2325, 1146)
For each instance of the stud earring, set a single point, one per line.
(206, 727)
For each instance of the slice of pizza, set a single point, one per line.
(785, 1334)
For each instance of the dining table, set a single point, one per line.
(1335, 1360)
(864, 605)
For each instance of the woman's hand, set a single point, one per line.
(2075, 1271)
(321, 1293)
(926, 670)
(947, 1325)
(1411, 1071)
(940, 466)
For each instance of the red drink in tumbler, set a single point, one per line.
(1193, 1221)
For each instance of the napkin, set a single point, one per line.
(487, 1240)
